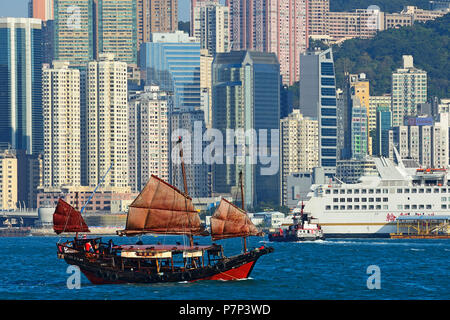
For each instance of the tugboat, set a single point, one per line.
(160, 208)
(302, 229)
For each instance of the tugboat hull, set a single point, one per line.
(294, 238)
(232, 268)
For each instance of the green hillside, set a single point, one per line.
(428, 43)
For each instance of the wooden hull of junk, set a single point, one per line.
(113, 269)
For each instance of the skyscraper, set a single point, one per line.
(409, 88)
(299, 147)
(117, 29)
(21, 84)
(163, 15)
(318, 100)
(172, 61)
(148, 136)
(106, 122)
(74, 31)
(246, 96)
(278, 26)
(211, 26)
(61, 107)
(190, 123)
(40, 9)
(248, 23)
(287, 35)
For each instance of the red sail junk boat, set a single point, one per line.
(160, 208)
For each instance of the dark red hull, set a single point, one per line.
(232, 268)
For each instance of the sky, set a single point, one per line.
(19, 8)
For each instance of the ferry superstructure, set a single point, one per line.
(370, 208)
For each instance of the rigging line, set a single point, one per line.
(103, 178)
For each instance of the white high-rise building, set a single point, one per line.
(211, 26)
(299, 147)
(61, 111)
(409, 88)
(106, 122)
(148, 136)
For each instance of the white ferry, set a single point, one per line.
(370, 207)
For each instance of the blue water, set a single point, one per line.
(330, 269)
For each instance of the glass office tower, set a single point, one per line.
(246, 95)
(318, 100)
(172, 61)
(21, 84)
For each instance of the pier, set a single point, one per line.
(422, 227)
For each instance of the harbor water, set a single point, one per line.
(331, 269)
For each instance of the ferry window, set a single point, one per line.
(443, 206)
(421, 190)
(414, 206)
(371, 207)
(414, 191)
(406, 206)
(385, 190)
(364, 191)
(378, 206)
(349, 191)
(355, 199)
(327, 207)
(385, 199)
(444, 190)
(399, 190)
(428, 190)
(335, 207)
(436, 190)
(356, 207)
(335, 191)
(328, 191)
(406, 190)
(378, 191)
(356, 191)
(385, 206)
(370, 199)
(335, 200)
(370, 190)
(421, 206)
(363, 199)
(378, 199)
(342, 191)
(349, 207)
(364, 207)
(342, 207)
(399, 206)
(349, 199)
(342, 200)
(444, 199)
(428, 206)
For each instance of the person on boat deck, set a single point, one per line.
(110, 246)
(88, 247)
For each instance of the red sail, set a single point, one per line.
(162, 208)
(230, 221)
(68, 219)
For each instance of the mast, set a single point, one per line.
(183, 171)
(243, 206)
